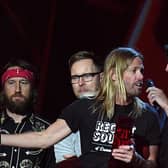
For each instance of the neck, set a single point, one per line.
(16, 117)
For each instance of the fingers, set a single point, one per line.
(124, 153)
(127, 147)
(67, 156)
(153, 92)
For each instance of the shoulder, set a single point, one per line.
(77, 109)
(149, 110)
(38, 120)
(80, 103)
(149, 116)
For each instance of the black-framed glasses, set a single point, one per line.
(86, 77)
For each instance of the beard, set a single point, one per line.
(18, 107)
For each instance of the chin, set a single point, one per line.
(137, 94)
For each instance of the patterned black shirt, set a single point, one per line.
(16, 157)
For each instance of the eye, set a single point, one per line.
(134, 70)
(25, 82)
(10, 82)
(87, 75)
(74, 77)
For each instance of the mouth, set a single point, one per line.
(139, 84)
(18, 98)
(82, 90)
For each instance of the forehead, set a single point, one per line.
(136, 62)
(83, 66)
(17, 79)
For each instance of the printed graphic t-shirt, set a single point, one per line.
(97, 133)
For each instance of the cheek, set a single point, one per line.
(128, 79)
(26, 91)
(92, 86)
(75, 87)
(9, 91)
(127, 83)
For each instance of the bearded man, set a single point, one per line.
(17, 100)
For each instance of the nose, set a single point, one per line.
(81, 81)
(18, 87)
(140, 75)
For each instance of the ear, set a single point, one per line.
(113, 75)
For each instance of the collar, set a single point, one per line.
(4, 117)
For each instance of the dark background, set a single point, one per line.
(48, 32)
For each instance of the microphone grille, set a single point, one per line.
(149, 83)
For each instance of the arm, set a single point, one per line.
(139, 162)
(128, 154)
(56, 131)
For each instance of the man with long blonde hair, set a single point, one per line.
(115, 127)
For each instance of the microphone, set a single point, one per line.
(150, 83)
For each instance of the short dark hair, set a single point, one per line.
(81, 55)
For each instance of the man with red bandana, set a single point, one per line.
(17, 98)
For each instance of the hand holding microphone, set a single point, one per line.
(152, 93)
(156, 96)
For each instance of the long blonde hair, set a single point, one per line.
(116, 62)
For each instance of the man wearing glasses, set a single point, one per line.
(86, 74)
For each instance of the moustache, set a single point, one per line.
(17, 95)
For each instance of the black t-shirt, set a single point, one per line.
(97, 133)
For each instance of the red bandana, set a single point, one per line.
(18, 72)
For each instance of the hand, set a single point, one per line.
(157, 95)
(68, 156)
(124, 153)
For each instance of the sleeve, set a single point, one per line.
(73, 114)
(67, 146)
